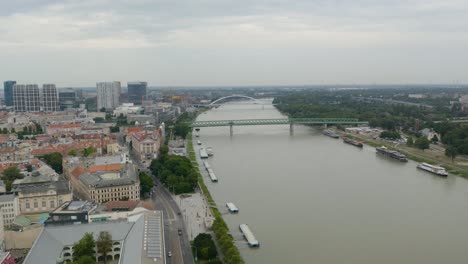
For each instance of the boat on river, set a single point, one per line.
(203, 153)
(353, 142)
(433, 169)
(232, 208)
(391, 153)
(330, 133)
(251, 240)
(209, 150)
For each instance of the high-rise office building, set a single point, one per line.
(108, 95)
(26, 98)
(67, 98)
(8, 92)
(136, 92)
(50, 102)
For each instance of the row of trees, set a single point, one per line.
(226, 241)
(175, 172)
(84, 250)
(390, 135)
(146, 183)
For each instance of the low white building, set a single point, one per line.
(127, 108)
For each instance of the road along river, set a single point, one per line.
(309, 198)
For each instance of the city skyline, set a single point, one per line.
(234, 43)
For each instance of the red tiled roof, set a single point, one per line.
(131, 130)
(64, 126)
(76, 172)
(106, 167)
(139, 137)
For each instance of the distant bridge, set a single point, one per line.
(278, 121)
(236, 96)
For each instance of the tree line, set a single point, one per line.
(176, 172)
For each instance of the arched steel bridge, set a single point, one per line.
(236, 96)
(278, 121)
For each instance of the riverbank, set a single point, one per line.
(431, 156)
(229, 252)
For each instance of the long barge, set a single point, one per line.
(251, 240)
(391, 153)
(353, 142)
(330, 133)
(212, 175)
(203, 153)
(433, 169)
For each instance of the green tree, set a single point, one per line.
(4, 130)
(84, 247)
(422, 143)
(88, 151)
(29, 168)
(390, 134)
(451, 152)
(205, 246)
(103, 110)
(181, 129)
(9, 175)
(13, 130)
(434, 139)
(54, 160)
(73, 153)
(104, 244)
(146, 183)
(410, 141)
(114, 129)
(99, 120)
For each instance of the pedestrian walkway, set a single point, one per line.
(196, 213)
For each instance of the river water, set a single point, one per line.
(309, 198)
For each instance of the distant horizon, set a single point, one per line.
(389, 85)
(234, 43)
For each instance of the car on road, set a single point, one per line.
(180, 232)
(169, 254)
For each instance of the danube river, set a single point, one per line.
(309, 198)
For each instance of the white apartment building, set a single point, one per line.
(9, 208)
(108, 95)
(50, 100)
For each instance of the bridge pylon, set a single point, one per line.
(291, 128)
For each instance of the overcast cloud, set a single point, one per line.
(234, 42)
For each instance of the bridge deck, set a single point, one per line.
(278, 121)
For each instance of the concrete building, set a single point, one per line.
(8, 92)
(146, 143)
(67, 98)
(126, 109)
(137, 92)
(139, 240)
(42, 196)
(104, 183)
(108, 95)
(50, 101)
(26, 98)
(9, 208)
(74, 212)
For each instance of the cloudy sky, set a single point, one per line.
(234, 42)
